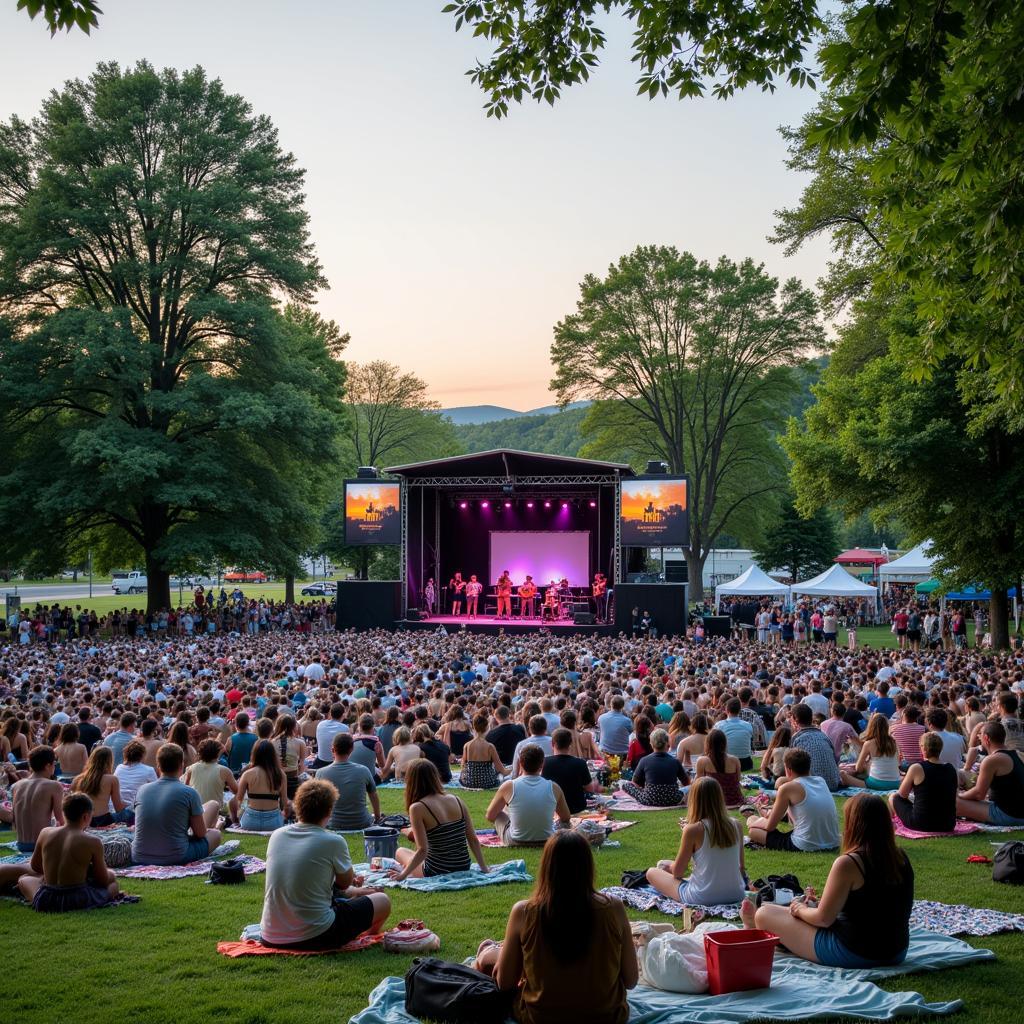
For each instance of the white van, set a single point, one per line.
(133, 582)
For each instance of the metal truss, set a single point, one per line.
(452, 482)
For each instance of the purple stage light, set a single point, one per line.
(485, 504)
(565, 504)
(463, 504)
(508, 504)
(547, 504)
(593, 504)
(529, 504)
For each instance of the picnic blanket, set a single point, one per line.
(250, 944)
(124, 899)
(800, 991)
(927, 916)
(497, 874)
(963, 828)
(161, 872)
(489, 837)
(622, 801)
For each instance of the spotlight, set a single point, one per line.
(485, 504)
(593, 504)
(547, 504)
(565, 504)
(508, 504)
(529, 504)
(463, 504)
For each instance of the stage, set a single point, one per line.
(491, 625)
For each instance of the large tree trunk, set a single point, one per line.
(289, 588)
(364, 563)
(158, 593)
(695, 572)
(999, 618)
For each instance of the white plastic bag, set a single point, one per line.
(675, 962)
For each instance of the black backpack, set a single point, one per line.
(227, 872)
(1008, 864)
(450, 993)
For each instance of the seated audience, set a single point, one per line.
(773, 765)
(437, 753)
(739, 734)
(569, 773)
(354, 784)
(132, 774)
(926, 801)
(807, 736)
(37, 799)
(997, 798)
(863, 917)
(506, 735)
(210, 779)
(523, 810)
(305, 863)
(538, 737)
(721, 766)
(568, 950)
(879, 757)
(99, 783)
(67, 869)
(806, 801)
(658, 776)
(482, 767)
(263, 790)
(170, 819)
(441, 828)
(712, 845)
(402, 753)
(70, 753)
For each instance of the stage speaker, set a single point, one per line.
(413, 615)
(368, 604)
(716, 625)
(583, 618)
(677, 572)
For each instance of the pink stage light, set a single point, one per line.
(593, 504)
(565, 504)
(485, 504)
(547, 504)
(529, 504)
(508, 504)
(463, 504)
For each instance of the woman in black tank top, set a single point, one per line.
(863, 917)
(933, 785)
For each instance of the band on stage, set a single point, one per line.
(521, 601)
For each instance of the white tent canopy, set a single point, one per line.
(914, 565)
(752, 583)
(835, 582)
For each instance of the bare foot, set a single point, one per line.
(747, 914)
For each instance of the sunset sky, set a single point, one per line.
(637, 494)
(453, 243)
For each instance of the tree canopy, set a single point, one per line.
(150, 383)
(803, 546)
(693, 363)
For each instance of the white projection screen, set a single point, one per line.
(544, 555)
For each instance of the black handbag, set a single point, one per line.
(227, 872)
(634, 879)
(398, 821)
(1008, 864)
(450, 993)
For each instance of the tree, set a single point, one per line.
(64, 14)
(149, 385)
(694, 364)
(393, 417)
(803, 546)
(916, 451)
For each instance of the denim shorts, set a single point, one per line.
(831, 952)
(998, 817)
(197, 849)
(261, 821)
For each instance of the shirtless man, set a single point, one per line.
(68, 871)
(36, 798)
(150, 739)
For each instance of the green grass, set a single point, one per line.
(156, 962)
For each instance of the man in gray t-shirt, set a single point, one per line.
(354, 784)
(170, 819)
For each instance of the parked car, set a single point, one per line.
(325, 589)
(245, 576)
(133, 582)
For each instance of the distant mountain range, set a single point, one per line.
(462, 415)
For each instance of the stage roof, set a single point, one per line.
(507, 462)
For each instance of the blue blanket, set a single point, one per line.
(800, 991)
(497, 874)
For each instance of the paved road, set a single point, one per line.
(55, 591)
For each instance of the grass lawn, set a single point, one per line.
(156, 961)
